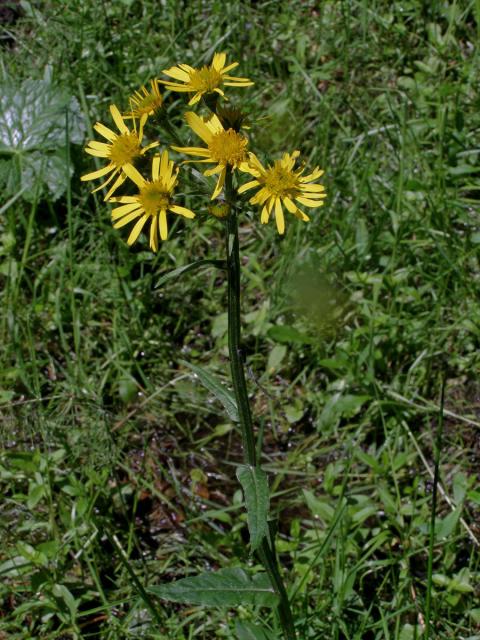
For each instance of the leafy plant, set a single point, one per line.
(38, 122)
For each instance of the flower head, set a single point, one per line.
(282, 184)
(224, 147)
(121, 151)
(207, 79)
(145, 103)
(152, 201)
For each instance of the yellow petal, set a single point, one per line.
(164, 165)
(279, 218)
(155, 167)
(162, 223)
(229, 67)
(124, 209)
(196, 98)
(183, 211)
(309, 203)
(291, 206)
(114, 172)
(312, 187)
(134, 175)
(214, 124)
(313, 196)
(173, 86)
(212, 172)
(312, 176)
(219, 60)
(248, 185)
(220, 183)
(124, 199)
(193, 151)
(154, 235)
(265, 215)
(128, 218)
(137, 229)
(101, 146)
(117, 118)
(301, 216)
(178, 74)
(239, 82)
(98, 174)
(118, 183)
(198, 125)
(149, 146)
(261, 196)
(96, 153)
(105, 131)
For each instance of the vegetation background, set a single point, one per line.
(352, 325)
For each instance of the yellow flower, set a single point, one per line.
(205, 80)
(281, 184)
(120, 150)
(152, 201)
(224, 147)
(145, 103)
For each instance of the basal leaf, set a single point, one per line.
(254, 483)
(37, 121)
(33, 116)
(226, 587)
(210, 382)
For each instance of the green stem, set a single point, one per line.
(266, 552)
(236, 364)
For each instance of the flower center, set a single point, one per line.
(228, 147)
(124, 149)
(154, 197)
(148, 104)
(205, 79)
(281, 181)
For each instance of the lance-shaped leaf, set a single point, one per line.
(198, 264)
(248, 631)
(254, 483)
(226, 587)
(210, 382)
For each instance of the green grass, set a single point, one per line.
(105, 432)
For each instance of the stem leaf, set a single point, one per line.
(210, 382)
(226, 587)
(176, 273)
(254, 483)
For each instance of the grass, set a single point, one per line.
(351, 324)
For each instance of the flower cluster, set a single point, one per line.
(278, 186)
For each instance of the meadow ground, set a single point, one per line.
(353, 324)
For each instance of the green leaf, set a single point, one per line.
(275, 357)
(226, 587)
(444, 527)
(176, 273)
(361, 237)
(61, 592)
(248, 631)
(210, 382)
(254, 483)
(285, 334)
(320, 508)
(34, 135)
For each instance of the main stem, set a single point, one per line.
(266, 553)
